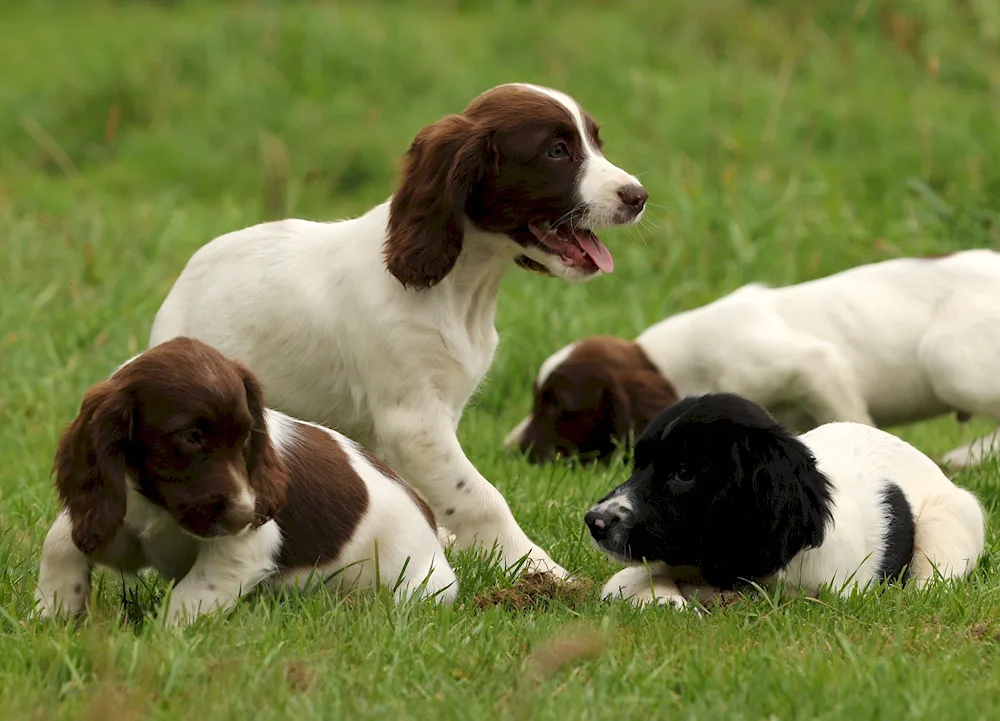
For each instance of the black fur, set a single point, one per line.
(719, 485)
(899, 535)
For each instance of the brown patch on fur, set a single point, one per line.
(606, 390)
(394, 477)
(326, 500)
(488, 163)
(536, 591)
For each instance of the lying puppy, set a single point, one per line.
(175, 464)
(882, 344)
(721, 492)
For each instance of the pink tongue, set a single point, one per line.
(598, 253)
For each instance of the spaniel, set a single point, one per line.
(175, 464)
(722, 495)
(882, 344)
(382, 326)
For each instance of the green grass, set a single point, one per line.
(779, 141)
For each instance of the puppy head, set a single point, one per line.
(718, 485)
(589, 398)
(520, 161)
(188, 426)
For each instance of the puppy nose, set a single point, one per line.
(601, 522)
(634, 196)
(237, 518)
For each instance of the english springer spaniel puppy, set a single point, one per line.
(722, 495)
(174, 464)
(885, 344)
(383, 326)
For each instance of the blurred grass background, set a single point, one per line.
(779, 141)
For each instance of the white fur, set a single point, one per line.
(211, 574)
(336, 339)
(886, 343)
(858, 460)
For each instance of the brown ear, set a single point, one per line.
(90, 467)
(267, 473)
(426, 216)
(649, 393)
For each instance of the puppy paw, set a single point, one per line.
(445, 537)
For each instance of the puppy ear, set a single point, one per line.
(446, 160)
(649, 393)
(268, 476)
(796, 496)
(90, 466)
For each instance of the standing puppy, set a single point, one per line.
(383, 326)
(721, 492)
(175, 464)
(887, 343)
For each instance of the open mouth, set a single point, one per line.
(576, 247)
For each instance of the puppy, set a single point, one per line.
(175, 464)
(721, 492)
(881, 344)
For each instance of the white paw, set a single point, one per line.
(445, 537)
(640, 587)
(185, 608)
(71, 602)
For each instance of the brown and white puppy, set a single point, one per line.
(382, 326)
(886, 343)
(175, 464)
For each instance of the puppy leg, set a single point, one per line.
(424, 573)
(421, 445)
(960, 354)
(642, 587)
(64, 577)
(226, 568)
(950, 535)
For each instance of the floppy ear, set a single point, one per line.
(649, 394)
(797, 498)
(90, 467)
(426, 216)
(268, 476)
(779, 505)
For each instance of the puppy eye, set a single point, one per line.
(192, 438)
(559, 150)
(684, 475)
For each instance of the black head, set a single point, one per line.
(718, 485)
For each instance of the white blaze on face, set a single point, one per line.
(601, 179)
(245, 499)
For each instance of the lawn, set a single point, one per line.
(779, 141)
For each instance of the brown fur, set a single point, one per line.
(488, 164)
(606, 391)
(175, 420)
(326, 500)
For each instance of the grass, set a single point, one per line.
(780, 141)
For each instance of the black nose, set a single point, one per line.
(634, 196)
(601, 522)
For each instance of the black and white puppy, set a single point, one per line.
(722, 495)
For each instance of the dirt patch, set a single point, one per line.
(536, 591)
